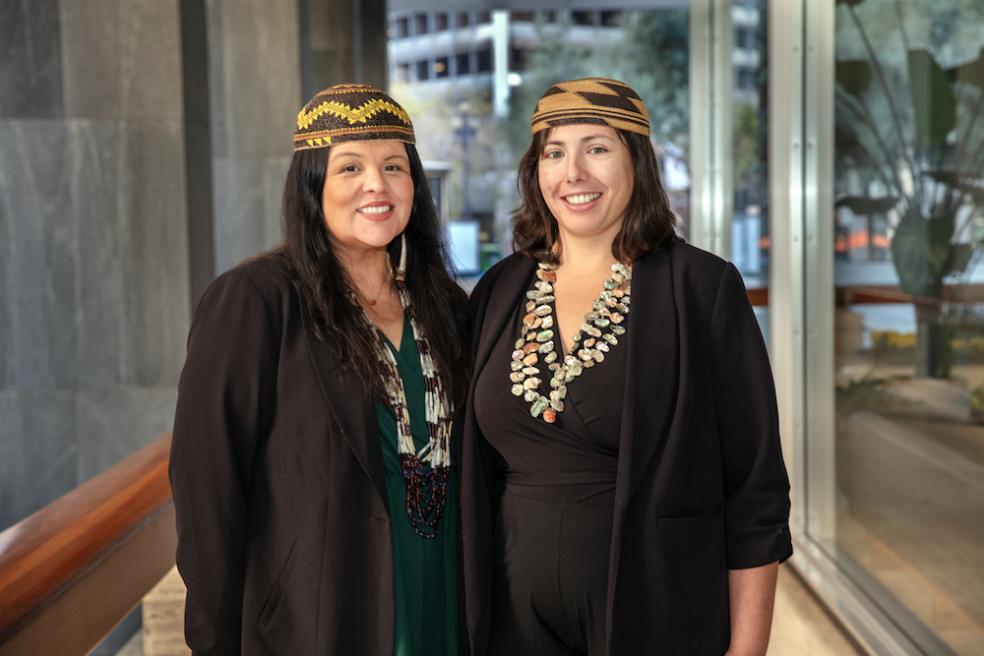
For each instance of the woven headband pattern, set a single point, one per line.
(596, 100)
(350, 112)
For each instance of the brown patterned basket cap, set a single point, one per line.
(595, 100)
(350, 112)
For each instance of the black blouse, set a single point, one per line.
(575, 457)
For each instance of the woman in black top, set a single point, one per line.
(623, 488)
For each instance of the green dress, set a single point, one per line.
(425, 570)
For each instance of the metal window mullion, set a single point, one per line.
(711, 126)
(786, 311)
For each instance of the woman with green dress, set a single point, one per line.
(313, 463)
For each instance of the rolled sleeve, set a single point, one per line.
(756, 486)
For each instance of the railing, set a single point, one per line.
(71, 571)
(885, 294)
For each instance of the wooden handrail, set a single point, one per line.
(71, 571)
(884, 294)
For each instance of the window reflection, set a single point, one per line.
(909, 197)
(475, 118)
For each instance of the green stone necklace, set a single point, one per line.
(599, 333)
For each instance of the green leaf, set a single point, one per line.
(953, 179)
(948, 177)
(854, 75)
(971, 72)
(922, 253)
(933, 100)
(864, 206)
(961, 257)
(975, 192)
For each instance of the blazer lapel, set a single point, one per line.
(652, 373)
(504, 296)
(351, 407)
(652, 386)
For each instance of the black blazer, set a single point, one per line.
(701, 485)
(278, 481)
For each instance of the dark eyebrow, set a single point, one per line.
(349, 153)
(582, 140)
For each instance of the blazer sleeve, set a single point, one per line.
(225, 401)
(756, 487)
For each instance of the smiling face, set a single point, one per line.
(585, 174)
(368, 193)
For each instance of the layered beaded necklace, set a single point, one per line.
(425, 472)
(599, 333)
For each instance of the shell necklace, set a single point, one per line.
(597, 336)
(425, 472)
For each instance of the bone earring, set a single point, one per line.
(401, 270)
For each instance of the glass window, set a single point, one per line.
(483, 17)
(908, 476)
(402, 27)
(749, 119)
(583, 17)
(610, 18)
(462, 19)
(458, 124)
(483, 60)
(517, 59)
(420, 25)
(440, 21)
(462, 63)
(441, 67)
(423, 70)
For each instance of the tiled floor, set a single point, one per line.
(800, 627)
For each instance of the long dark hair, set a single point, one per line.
(648, 224)
(438, 302)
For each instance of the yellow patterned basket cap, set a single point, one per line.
(596, 100)
(350, 112)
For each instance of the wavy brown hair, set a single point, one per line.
(648, 223)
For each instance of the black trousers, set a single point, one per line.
(551, 574)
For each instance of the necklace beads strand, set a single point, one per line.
(425, 472)
(599, 333)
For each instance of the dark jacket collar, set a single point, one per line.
(350, 404)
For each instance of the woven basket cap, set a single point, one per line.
(350, 112)
(595, 100)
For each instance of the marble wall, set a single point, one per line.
(254, 76)
(265, 60)
(95, 223)
(94, 299)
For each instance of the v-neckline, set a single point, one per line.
(404, 330)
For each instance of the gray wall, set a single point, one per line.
(97, 232)
(93, 272)
(255, 80)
